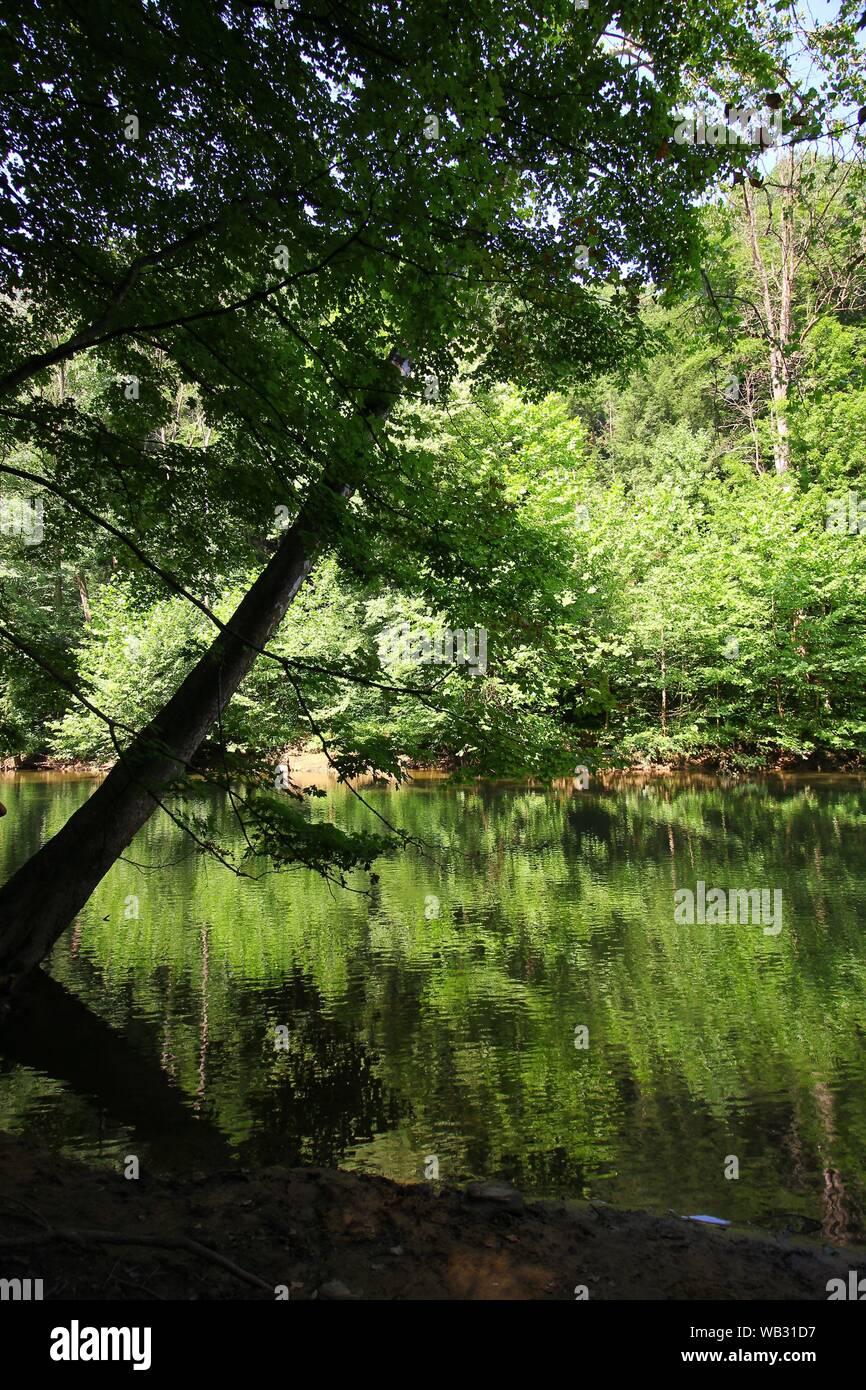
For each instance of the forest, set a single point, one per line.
(432, 547)
(667, 559)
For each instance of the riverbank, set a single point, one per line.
(328, 1234)
(305, 767)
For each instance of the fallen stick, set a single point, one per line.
(132, 1238)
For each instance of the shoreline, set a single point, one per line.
(316, 765)
(325, 1233)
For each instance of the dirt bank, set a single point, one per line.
(329, 1234)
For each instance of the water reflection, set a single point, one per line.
(438, 1016)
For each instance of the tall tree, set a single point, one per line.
(274, 205)
(797, 210)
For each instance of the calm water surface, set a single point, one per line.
(438, 1017)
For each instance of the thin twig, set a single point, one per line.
(133, 1238)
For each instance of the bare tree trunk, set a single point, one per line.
(777, 308)
(84, 597)
(779, 366)
(779, 383)
(750, 415)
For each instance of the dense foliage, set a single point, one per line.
(629, 476)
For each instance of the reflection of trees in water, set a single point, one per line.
(740, 818)
(58, 1034)
(318, 1098)
(309, 1104)
(837, 1204)
(556, 908)
(203, 1025)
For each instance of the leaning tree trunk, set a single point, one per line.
(40, 900)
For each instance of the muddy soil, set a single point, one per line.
(322, 1233)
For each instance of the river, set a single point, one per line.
(516, 1001)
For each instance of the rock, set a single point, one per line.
(336, 1292)
(498, 1192)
